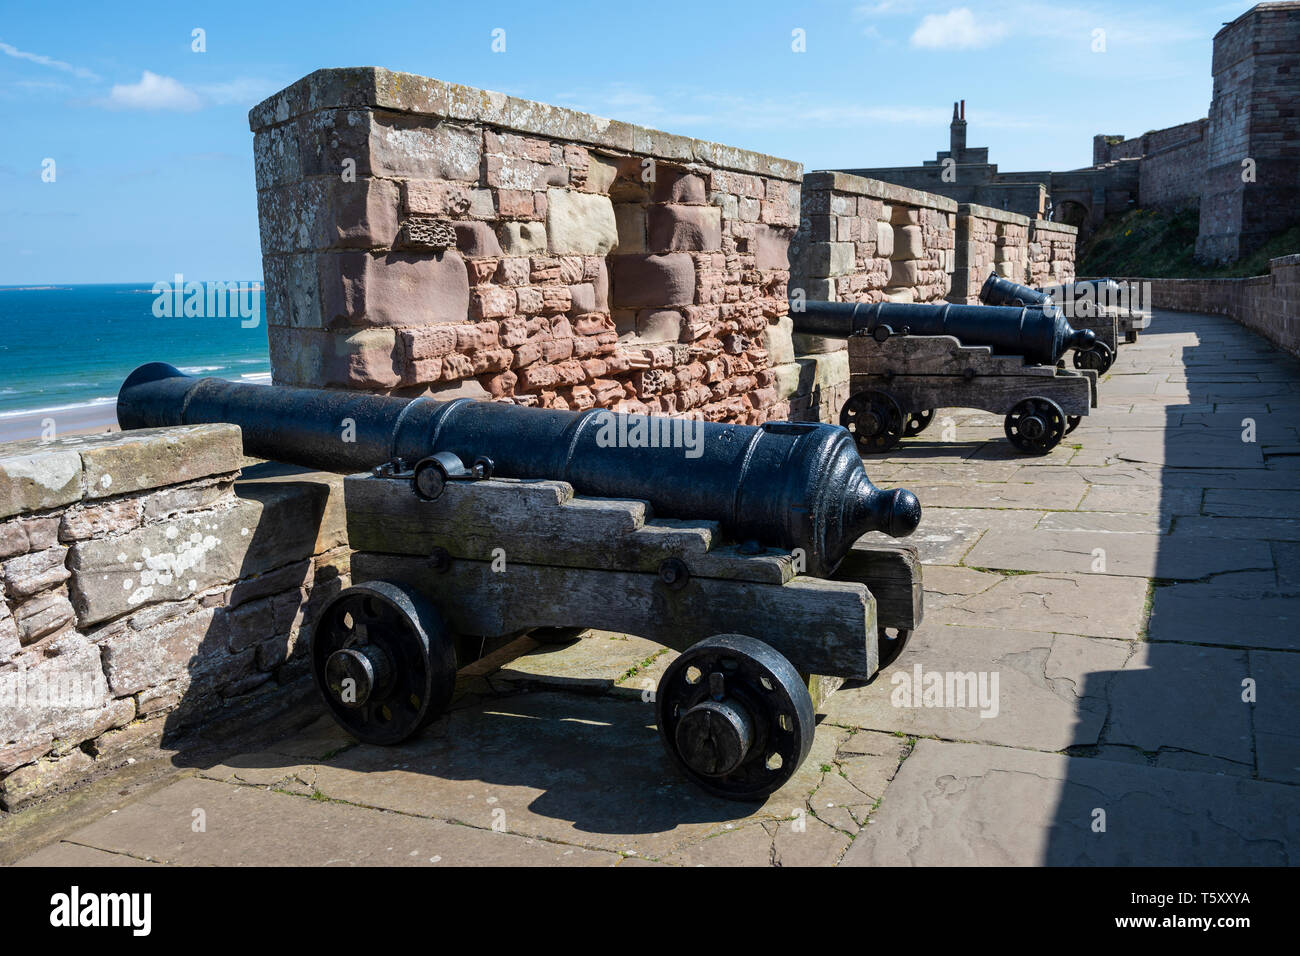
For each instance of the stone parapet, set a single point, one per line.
(988, 240)
(420, 237)
(863, 240)
(147, 597)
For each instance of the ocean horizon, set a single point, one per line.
(66, 348)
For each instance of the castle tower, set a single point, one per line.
(1251, 189)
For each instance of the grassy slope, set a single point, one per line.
(1156, 244)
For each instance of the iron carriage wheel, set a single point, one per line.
(734, 716)
(918, 422)
(1035, 425)
(1100, 357)
(874, 419)
(383, 661)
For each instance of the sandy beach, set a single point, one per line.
(74, 420)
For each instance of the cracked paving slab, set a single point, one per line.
(1095, 605)
(1176, 556)
(251, 826)
(1184, 697)
(1049, 695)
(955, 804)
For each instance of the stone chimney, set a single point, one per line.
(957, 131)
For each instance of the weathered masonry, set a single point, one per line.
(420, 237)
(988, 239)
(863, 240)
(148, 598)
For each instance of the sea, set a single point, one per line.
(65, 349)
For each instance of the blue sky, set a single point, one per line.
(153, 157)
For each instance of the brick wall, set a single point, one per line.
(1051, 252)
(424, 238)
(863, 240)
(1268, 305)
(988, 240)
(147, 599)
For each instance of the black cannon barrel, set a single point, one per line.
(783, 484)
(999, 291)
(1039, 333)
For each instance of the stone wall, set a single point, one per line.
(1172, 162)
(1268, 305)
(863, 240)
(988, 240)
(147, 598)
(1051, 252)
(424, 238)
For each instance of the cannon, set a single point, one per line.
(473, 524)
(906, 360)
(1040, 334)
(1103, 305)
(1003, 292)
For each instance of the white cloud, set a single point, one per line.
(955, 30)
(153, 92)
(77, 71)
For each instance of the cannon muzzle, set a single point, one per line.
(1039, 333)
(782, 484)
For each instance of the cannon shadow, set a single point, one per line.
(1177, 775)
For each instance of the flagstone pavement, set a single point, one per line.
(1133, 592)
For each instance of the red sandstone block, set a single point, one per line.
(544, 269)
(556, 300)
(491, 360)
(500, 385)
(538, 376)
(455, 367)
(581, 398)
(428, 197)
(570, 372)
(477, 240)
(571, 269)
(645, 281)
(513, 271)
(513, 173)
(530, 300)
(480, 270)
(423, 371)
(557, 350)
(360, 289)
(493, 302)
(680, 228)
(475, 337)
(527, 354)
(679, 186)
(575, 156)
(513, 332)
(429, 342)
(517, 204)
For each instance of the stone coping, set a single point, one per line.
(39, 474)
(1048, 225)
(989, 212)
(876, 189)
(375, 87)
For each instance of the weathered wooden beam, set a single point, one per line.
(822, 626)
